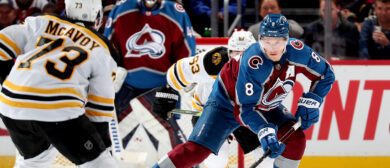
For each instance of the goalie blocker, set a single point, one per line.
(165, 100)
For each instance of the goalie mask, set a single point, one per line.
(240, 41)
(85, 10)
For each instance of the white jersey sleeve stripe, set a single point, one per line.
(100, 99)
(15, 87)
(172, 78)
(51, 106)
(11, 45)
(183, 79)
(196, 106)
(196, 97)
(97, 113)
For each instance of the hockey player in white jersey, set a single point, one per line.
(60, 93)
(202, 70)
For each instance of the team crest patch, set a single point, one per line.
(148, 41)
(179, 8)
(217, 58)
(255, 61)
(108, 23)
(297, 44)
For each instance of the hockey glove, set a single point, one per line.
(308, 109)
(120, 77)
(268, 140)
(165, 100)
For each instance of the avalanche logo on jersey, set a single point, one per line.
(146, 42)
(277, 93)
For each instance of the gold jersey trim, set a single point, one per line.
(19, 104)
(15, 87)
(10, 43)
(100, 99)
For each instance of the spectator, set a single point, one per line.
(357, 10)
(50, 9)
(273, 7)
(345, 34)
(26, 8)
(375, 34)
(201, 11)
(7, 13)
(151, 35)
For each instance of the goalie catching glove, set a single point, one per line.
(308, 109)
(268, 140)
(165, 100)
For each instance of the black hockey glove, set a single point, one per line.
(165, 100)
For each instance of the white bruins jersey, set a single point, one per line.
(62, 70)
(201, 69)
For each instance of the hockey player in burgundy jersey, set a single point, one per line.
(151, 35)
(249, 92)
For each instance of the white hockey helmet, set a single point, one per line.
(150, 2)
(240, 40)
(85, 10)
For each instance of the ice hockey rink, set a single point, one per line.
(353, 130)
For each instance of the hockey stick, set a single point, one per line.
(282, 139)
(180, 111)
(117, 147)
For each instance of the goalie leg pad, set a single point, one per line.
(188, 154)
(295, 144)
(124, 96)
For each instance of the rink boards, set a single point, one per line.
(354, 126)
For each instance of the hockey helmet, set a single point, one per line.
(150, 3)
(274, 25)
(85, 10)
(240, 40)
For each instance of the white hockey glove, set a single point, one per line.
(121, 74)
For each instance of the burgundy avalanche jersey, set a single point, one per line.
(254, 84)
(150, 41)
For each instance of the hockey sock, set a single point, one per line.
(188, 154)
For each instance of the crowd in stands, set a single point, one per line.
(360, 28)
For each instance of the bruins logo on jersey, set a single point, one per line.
(216, 58)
